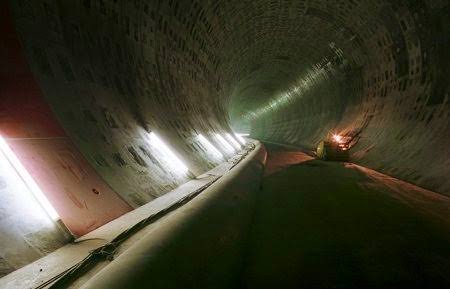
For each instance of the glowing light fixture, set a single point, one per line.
(210, 147)
(337, 138)
(167, 155)
(36, 192)
(233, 141)
(240, 138)
(225, 144)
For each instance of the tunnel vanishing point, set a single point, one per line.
(171, 144)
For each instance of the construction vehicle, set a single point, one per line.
(333, 148)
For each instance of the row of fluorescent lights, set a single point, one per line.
(177, 164)
(163, 150)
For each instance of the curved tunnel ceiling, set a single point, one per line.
(289, 71)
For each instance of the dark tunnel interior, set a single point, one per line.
(88, 88)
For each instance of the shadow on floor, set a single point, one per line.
(329, 225)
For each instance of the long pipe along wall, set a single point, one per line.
(86, 85)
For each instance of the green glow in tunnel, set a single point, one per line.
(319, 72)
(301, 86)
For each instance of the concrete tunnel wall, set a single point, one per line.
(378, 73)
(291, 71)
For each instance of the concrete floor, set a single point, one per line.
(335, 225)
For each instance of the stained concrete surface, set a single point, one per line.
(332, 225)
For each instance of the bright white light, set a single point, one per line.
(240, 138)
(210, 147)
(167, 155)
(36, 192)
(227, 146)
(233, 141)
(337, 138)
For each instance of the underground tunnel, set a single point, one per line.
(189, 144)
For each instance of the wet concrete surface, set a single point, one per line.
(338, 225)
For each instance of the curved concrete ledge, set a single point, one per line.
(48, 268)
(198, 245)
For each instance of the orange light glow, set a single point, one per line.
(337, 138)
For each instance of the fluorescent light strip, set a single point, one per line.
(240, 138)
(233, 141)
(36, 192)
(210, 147)
(167, 154)
(227, 146)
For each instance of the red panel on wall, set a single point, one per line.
(23, 113)
(82, 199)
